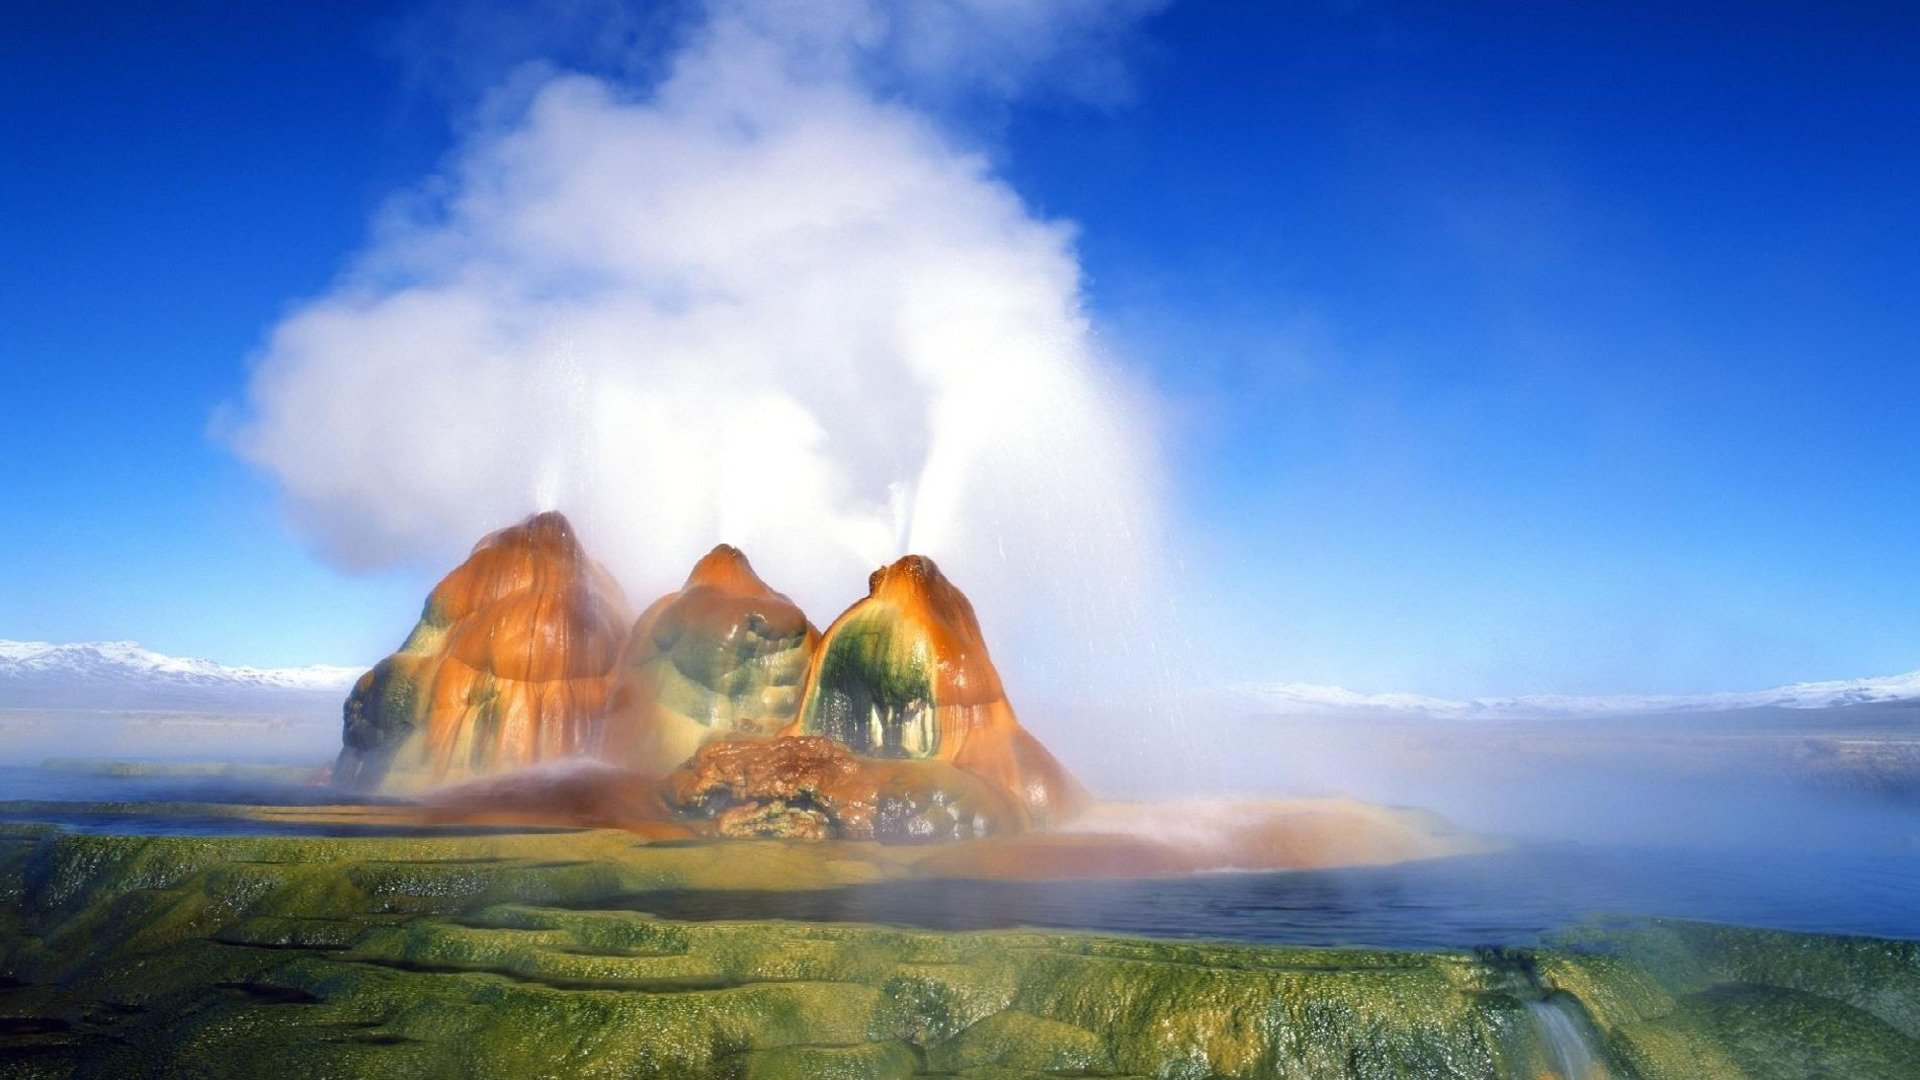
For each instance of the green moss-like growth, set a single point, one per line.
(1773, 1032)
(1765, 1004)
(1020, 1040)
(868, 1061)
(874, 692)
(742, 676)
(380, 716)
(508, 957)
(758, 667)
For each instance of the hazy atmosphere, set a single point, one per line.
(1445, 353)
(780, 539)
(1288, 389)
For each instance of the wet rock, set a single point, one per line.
(725, 655)
(759, 770)
(773, 820)
(511, 664)
(927, 802)
(812, 788)
(905, 674)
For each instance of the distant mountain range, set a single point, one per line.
(1303, 699)
(122, 675)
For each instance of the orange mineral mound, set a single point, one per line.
(905, 673)
(510, 664)
(725, 655)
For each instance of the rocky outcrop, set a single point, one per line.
(725, 655)
(904, 674)
(511, 664)
(895, 722)
(810, 788)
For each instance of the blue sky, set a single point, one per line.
(1500, 349)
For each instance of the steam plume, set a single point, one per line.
(762, 301)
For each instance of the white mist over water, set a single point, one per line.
(764, 301)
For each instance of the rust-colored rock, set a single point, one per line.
(511, 664)
(905, 674)
(812, 788)
(770, 770)
(725, 655)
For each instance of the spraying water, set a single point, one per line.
(759, 302)
(1565, 1040)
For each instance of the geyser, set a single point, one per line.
(722, 697)
(510, 665)
(761, 298)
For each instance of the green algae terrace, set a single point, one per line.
(508, 956)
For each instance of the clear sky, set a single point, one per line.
(1500, 348)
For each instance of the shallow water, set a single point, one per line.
(1513, 897)
(238, 786)
(185, 803)
(124, 823)
(1568, 1048)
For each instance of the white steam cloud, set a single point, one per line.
(763, 301)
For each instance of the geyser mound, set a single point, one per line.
(510, 665)
(905, 673)
(725, 714)
(726, 655)
(723, 704)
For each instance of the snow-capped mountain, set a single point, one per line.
(1304, 699)
(122, 675)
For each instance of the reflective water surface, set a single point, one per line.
(1510, 898)
(1869, 886)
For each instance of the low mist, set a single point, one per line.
(773, 298)
(1777, 779)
